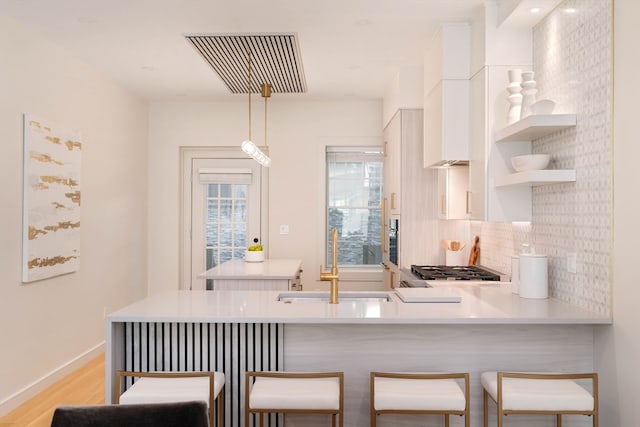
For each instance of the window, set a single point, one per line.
(354, 192)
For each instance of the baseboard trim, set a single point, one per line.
(21, 396)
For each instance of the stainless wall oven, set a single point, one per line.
(394, 236)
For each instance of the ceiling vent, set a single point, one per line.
(275, 59)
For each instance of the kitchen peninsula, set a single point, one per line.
(234, 331)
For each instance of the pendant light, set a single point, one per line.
(248, 146)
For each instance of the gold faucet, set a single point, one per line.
(332, 276)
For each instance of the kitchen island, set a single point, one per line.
(270, 274)
(234, 331)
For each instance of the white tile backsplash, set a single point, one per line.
(572, 60)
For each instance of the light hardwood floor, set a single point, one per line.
(85, 386)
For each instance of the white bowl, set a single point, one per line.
(544, 106)
(529, 162)
(254, 256)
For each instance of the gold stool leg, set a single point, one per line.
(485, 398)
(446, 420)
(558, 420)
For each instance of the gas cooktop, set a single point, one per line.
(446, 272)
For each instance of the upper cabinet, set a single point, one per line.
(446, 100)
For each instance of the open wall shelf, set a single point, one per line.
(537, 177)
(535, 126)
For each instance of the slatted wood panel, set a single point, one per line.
(232, 348)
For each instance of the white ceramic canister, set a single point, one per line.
(515, 274)
(454, 258)
(534, 276)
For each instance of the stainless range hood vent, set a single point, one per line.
(448, 163)
(275, 59)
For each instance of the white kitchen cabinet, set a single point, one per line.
(453, 200)
(446, 123)
(409, 190)
(446, 95)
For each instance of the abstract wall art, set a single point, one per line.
(51, 222)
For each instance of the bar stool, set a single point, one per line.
(294, 392)
(540, 393)
(419, 393)
(165, 387)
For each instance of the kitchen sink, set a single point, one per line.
(342, 296)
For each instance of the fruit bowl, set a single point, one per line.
(254, 256)
(529, 162)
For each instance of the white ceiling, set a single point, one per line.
(350, 49)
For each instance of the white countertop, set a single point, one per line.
(269, 269)
(478, 305)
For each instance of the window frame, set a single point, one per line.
(359, 153)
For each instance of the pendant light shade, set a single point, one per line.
(252, 149)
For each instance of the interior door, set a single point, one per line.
(225, 212)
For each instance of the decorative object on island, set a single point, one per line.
(255, 252)
(475, 251)
(529, 91)
(248, 146)
(515, 97)
(51, 210)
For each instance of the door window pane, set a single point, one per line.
(226, 225)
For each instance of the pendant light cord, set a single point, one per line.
(249, 87)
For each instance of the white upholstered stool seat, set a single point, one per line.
(294, 392)
(540, 393)
(419, 393)
(165, 387)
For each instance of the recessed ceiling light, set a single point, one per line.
(570, 10)
(535, 10)
(147, 68)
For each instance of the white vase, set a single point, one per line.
(515, 97)
(529, 91)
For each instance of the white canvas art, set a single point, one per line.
(51, 224)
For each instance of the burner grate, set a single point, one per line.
(446, 272)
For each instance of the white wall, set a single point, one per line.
(45, 326)
(298, 131)
(618, 346)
